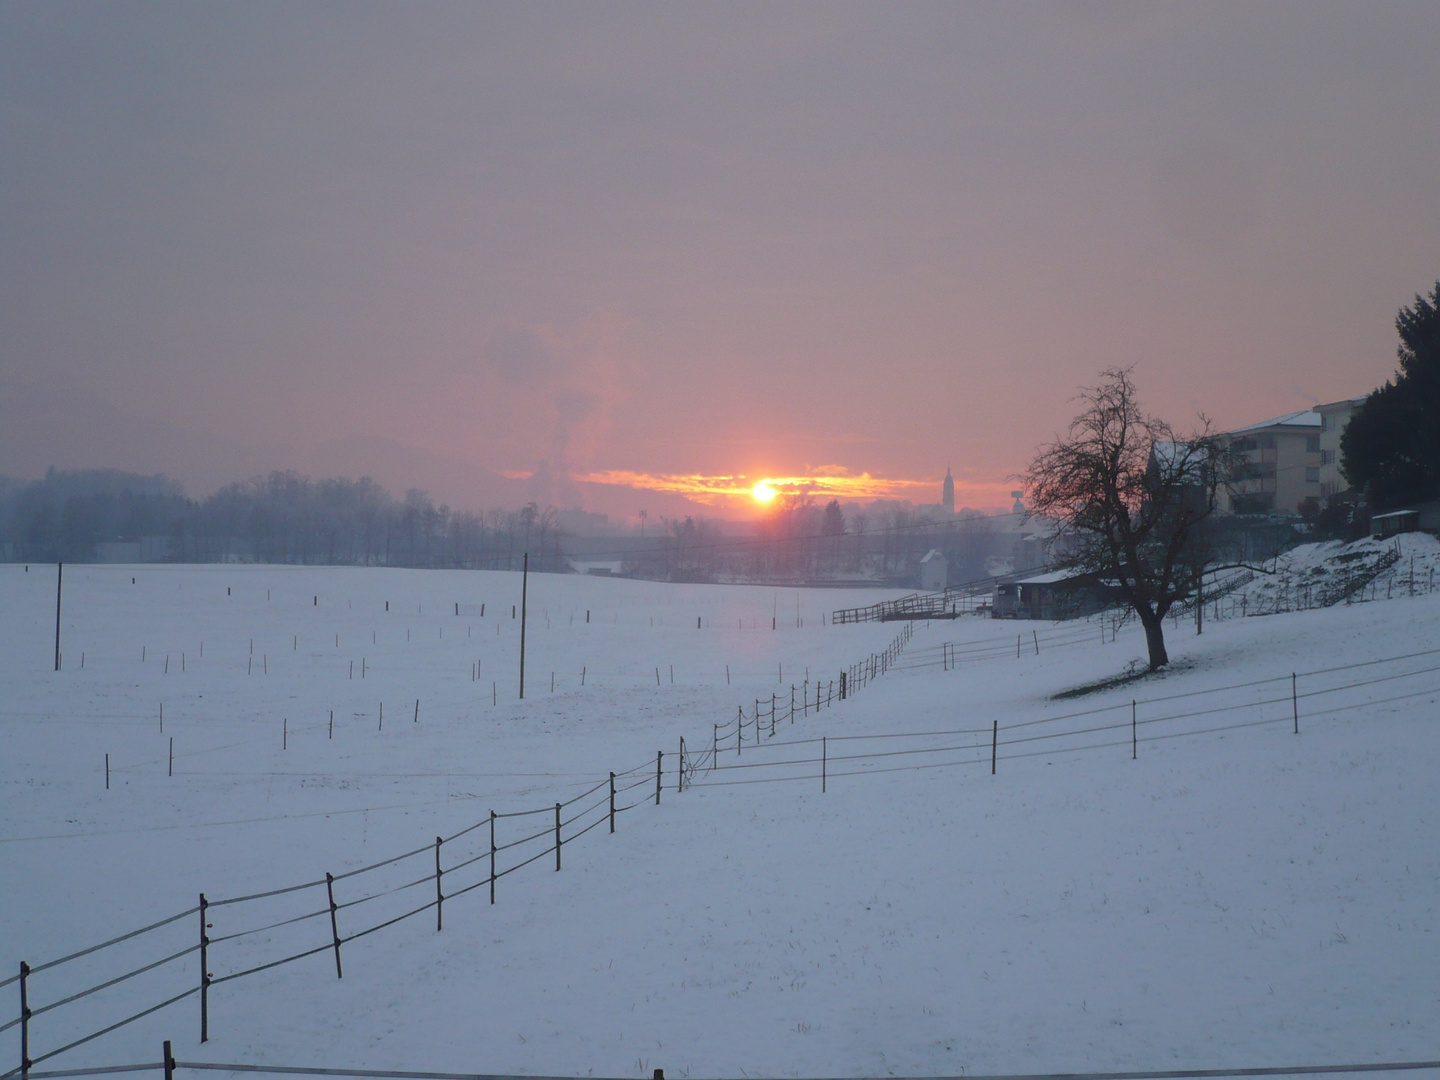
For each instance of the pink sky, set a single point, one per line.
(654, 246)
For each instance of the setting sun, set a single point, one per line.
(763, 492)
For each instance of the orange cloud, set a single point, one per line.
(827, 482)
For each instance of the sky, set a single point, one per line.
(644, 256)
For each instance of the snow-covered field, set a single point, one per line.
(1237, 895)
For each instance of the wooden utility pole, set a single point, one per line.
(524, 591)
(59, 578)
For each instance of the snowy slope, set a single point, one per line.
(1232, 897)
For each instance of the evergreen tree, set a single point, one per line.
(1391, 448)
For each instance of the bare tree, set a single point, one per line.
(1129, 498)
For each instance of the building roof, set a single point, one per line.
(1051, 578)
(1306, 418)
(1337, 406)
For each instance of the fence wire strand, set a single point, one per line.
(106, 944)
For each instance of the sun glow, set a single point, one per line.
(823, 484)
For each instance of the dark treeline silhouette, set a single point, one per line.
(94, 514)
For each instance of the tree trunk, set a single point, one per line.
(1155, 641)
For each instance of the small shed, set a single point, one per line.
(1058, 594)
(934, 569)
(1397, 521)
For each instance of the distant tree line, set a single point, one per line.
(798, 540)
(107, 515)
(75, 516)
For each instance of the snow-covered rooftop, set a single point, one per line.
(1306, 418)
(1050, 578)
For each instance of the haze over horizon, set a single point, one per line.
(637, 256)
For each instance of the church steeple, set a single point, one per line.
(947, 492)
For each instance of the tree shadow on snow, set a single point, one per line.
(1136, 671)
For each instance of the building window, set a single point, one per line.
(1312, 444)
(1324, 422)
(1254, 470)
(1327, 457)
(1255, 503)
(1312, 474)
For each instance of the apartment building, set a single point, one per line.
(1333, 418)
(1278, 465)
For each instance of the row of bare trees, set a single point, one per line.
(800, 539)
(279, 518)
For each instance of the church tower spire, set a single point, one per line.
(947, 492)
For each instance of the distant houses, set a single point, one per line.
(933, 571)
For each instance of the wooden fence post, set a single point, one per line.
(204, 972)
(994, 743)
(680, 771)
(439, 896)
(334, 926)
(169, 1062)
(1294, 704)
(612, 802)
(824, 755)
(659, 757)
(492, 856)
(1134, 751)
(24, 1020)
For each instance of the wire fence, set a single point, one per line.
(1279, 701)
(765, 718)
(232, 938)
(235, 937)
(170, 1066)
